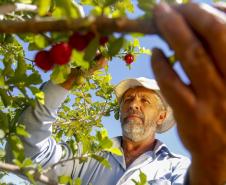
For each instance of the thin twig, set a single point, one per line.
(66, 160)
(17, 170)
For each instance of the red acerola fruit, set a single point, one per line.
(60, 53)
(103, 40)
(89, 36)
(78, 41)
(43, 61)
(129, 58)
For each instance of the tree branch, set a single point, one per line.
(101, 24)
(17, 170)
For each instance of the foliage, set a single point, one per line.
(142, 181)
(83, 110)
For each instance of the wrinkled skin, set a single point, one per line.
(199, 42)
(138, 114)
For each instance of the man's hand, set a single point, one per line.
(76, 74)
(197, 34)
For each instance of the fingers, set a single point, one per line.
(178, 95)
(212, 29)
(101, 63)
(188, 50)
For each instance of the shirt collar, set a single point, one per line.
(159, 148)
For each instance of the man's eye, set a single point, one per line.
(145, 101)
(127, 99)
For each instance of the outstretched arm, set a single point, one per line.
(197, 34)
(40, 146)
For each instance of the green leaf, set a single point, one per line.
(21, 67)
(34, 79)
(146, 5)
(102, 160)
(64, 179)
(20, 130)
(88, 2)
(43, 7)
(4, 121)
(40, 41)
(136, 43)
(25, 1)
(5, 97)
(2, 82)
(91, 50)
(2, 154)
(104, 133)
(145, 51)
(67, 8)
(60, 74)
(115, 46)
(17, 147)
(106, 143)
(2, 134)
(77, 181)
(27, 163)
(78, 60)
(40, 96)
(116, 115)
(115, 151)
(125, 5)
(143, 178)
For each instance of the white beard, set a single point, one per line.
(136, 131)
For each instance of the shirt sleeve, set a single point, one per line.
(40, 146)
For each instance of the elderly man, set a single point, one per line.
(143, 112)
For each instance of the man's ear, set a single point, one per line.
(161, 117)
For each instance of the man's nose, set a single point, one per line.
(135, 104)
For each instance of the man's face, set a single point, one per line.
(139, 113)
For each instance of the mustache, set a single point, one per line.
(133, 112)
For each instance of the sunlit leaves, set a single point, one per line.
(146, 5)
(115, 45)
(60, 73)
(43, 7)
(91, 50)
(68, 181)
(142, 179)
(102, 160)
(78, 60)
(66, 8)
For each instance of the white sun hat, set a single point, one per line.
(124, 85)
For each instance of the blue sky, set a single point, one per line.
(141, 67)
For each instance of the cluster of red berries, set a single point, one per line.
(60, 53)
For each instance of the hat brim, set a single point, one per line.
(124, 85)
